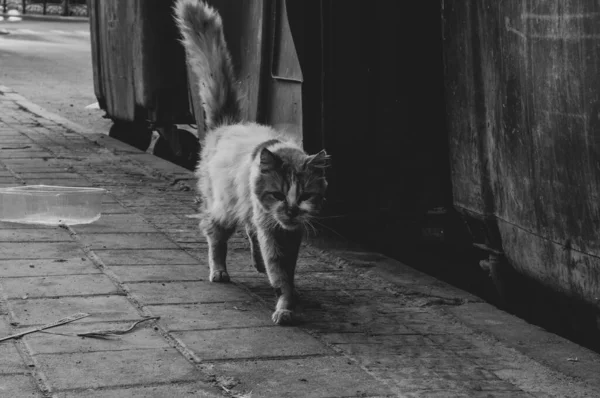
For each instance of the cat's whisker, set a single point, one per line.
(328, 228)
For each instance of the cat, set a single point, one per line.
(249, 175)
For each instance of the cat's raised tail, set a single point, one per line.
(209, 58)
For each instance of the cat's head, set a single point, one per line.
(291, 185)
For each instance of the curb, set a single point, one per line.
(49, 18)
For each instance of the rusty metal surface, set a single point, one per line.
(139, 65)
(523, 106)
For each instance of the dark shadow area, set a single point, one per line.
(373, 96)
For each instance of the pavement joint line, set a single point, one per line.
(126, 386)
(30, 241)
(361, 396)
(32, 258)
(203, 303)
(269, 358)
(151, 264)
(41, 380)
(121, 294)
(60, 353)
(47, 275)
(224, 328)
(156, 281)
(188, 302)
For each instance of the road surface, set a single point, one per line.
(50, 63)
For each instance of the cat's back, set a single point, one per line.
(236, 143)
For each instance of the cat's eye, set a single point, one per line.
(305, 196)
(278, 195)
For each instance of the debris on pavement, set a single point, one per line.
(99, 333)
(114, 332)
(60, 322)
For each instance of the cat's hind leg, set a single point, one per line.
(217, 236)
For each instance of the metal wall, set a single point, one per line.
(523, 110)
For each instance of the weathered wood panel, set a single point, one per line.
(139, 64)
(523, 105)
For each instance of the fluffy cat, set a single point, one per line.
(249, 174)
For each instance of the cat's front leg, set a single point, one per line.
(257, 259)
(280, 252)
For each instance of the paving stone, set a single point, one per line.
(120, 223)
(11, 361)
(9, 180)
(143, 337)
(366, 338)
(187, 292)
(212, 316)
(21, 386)
(302, 378)
(147, 256)
(266, 342)
(112, 241)
(35, 235)
(141, 273)
(17, 268)
(101, 308)
(113, 208)
(24, 250)
(56, 286)
(183, 390)
(116, 368)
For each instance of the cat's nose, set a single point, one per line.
(292, 211)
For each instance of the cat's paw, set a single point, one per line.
(283, 317)
(219, 276)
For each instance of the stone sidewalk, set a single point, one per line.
(370, 327)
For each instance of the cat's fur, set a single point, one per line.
(249, 175)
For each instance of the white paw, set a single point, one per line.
(282, 317)
(219, 276)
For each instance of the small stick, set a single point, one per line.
(103, 333)
(62, 321)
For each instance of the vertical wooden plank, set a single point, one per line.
(116, 52)
(96, 61)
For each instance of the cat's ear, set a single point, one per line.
(318, 161)
(268, 161)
